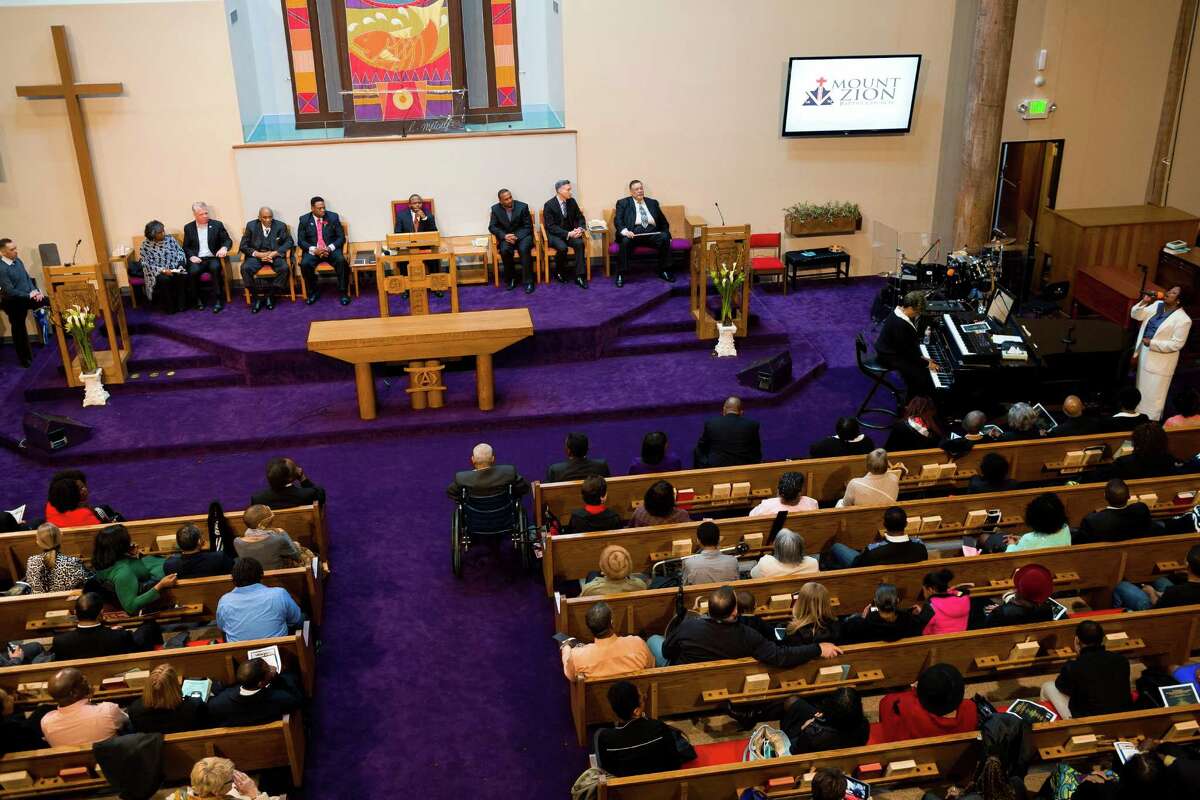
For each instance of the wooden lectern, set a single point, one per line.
(94, 286)
(713, 247)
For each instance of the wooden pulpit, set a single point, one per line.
(94, 286)
(713, 247)
(418, 282)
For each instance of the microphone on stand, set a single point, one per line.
(74, 253)
(718, 205)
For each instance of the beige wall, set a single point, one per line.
(1183, 191)
(162, 144)
(704, 126)
(1106, 67)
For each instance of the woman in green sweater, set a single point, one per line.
(117, 561)
(1046, 515)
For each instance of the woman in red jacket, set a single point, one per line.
(934, 706)
(67, 505)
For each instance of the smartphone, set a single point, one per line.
(1060, 611)
(857, 790)
(993, 518)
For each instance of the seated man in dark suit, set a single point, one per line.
(1075, 419)
(577, 466)
(898, 346)
(728, 440)
(992, 477)
(486, 476)
(566, 229)
(1121, 520)
(261, 695)
(265, 243)
(512, 226)
(288, 487)
(205, 243)
(848, 440)
(320, 237)
(192, 562)
(638, 744)
(418, 220)
(1128, 417)
(91, 639)
(639, 222)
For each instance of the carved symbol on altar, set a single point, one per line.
(426, 389)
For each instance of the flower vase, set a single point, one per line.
(93, 390)
(725, 342)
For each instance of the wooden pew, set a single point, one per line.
(938, 760)
(1168, 635)
(825, 478)
(573, 556)
(24, 617)
(253, 748)
(216, 661)
(1091, 570)
(305, 524)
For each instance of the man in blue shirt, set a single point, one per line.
(254, 611)
(20, 296)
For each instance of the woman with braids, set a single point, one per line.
(991, 782)
(51, 571)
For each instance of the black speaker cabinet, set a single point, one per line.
(768, 375)
(48, 432)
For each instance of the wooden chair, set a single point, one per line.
(428, 205)
(768, 265)
(269, 272)
(135, 255)
(535, 255)
(682, 225)
(362, 257)
(542, 242)
(324, 268)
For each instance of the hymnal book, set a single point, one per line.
(268, 654)
(1180, 694)
(1031, 711)
(18, 514)
(199, 688)
(1125, 750)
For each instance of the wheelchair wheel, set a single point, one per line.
(522, 539)
(457, 542)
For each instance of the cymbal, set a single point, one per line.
(1001, 242)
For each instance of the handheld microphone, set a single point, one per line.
(74, 253)
(718, 205)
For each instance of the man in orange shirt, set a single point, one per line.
(76, 721)
(609, 654)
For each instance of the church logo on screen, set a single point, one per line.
(819, 96)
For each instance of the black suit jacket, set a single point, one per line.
(625, 215)
(576, 469)
(488, 481)
(306, 231)
(218, 237)
(833, 447)
(521, 224)
(205, 564)
(1118, 424)
(231, 709)
(559, 225)
(728, 440)
(898, 343)
(404, 223)
(1076, 426)
(291, 496)
(278, 239)
(1115, 525)
(93, 643)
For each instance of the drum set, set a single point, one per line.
(968, 274)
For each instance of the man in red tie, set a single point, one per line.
(320, 236)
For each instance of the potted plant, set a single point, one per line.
(822, 219)
(79, 322)
(727, 280)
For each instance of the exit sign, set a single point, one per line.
(1039, 108)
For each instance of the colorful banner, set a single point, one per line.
(304, 68)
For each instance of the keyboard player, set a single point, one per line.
(898, 347)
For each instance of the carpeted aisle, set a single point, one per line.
(429, 686)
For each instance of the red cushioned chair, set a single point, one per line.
(768, 265)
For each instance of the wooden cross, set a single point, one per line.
(418, 283)
(67, 89)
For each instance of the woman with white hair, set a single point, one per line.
(787, 559)
(216, 779)
(206, 243)
(1022, 423)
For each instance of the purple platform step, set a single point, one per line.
(145, 381)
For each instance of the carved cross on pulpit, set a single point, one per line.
(418, 282)
(67, 89)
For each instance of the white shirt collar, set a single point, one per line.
(900, 313)
(7, 260)
(244, 692)
(896, 538)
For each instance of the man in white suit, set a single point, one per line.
(1164, 332)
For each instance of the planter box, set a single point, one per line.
(822, 227)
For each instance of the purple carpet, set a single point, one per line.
(429, 686)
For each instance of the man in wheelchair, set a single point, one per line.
(486, 477)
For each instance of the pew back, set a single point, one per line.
(825, 478)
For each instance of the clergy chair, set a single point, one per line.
(136, 281)
(681, 236)
(542, 243)
(289, 258)
(768, 265)
(324, 268)
(401, 207)
(362, 257)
